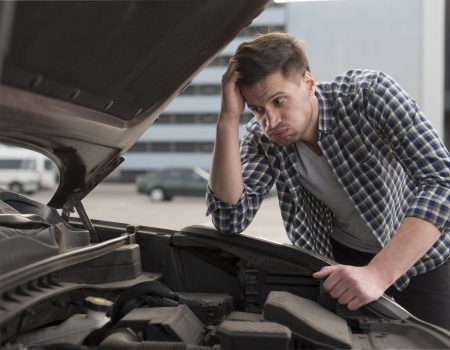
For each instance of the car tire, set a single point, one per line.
(157, 194)
(16, 187)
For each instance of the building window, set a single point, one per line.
(173, 147)
(138, 147)
(185, 118)
(196, 147)
(220, 61)
(202, 89)
(195, 118)
(160, 146)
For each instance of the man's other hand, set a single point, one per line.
(351, 285)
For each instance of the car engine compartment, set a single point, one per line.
(149, 315)
(150, 288)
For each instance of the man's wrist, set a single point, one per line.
(384, 276)
(229, 118)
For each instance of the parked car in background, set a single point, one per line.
(165, 184)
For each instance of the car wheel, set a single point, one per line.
(157, 194)
(16, 187)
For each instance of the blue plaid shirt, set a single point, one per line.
(387, 156)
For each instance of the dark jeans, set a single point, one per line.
(427, 296)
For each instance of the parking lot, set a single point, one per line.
(121, 203)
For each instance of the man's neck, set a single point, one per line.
(314, 147)
(312, 134)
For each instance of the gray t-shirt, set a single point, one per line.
(318, 178)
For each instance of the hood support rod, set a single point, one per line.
(74, 202)
(87, 223)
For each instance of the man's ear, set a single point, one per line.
(310, 83)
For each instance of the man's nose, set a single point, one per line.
(273, 118)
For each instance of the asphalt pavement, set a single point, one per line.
(121, 203)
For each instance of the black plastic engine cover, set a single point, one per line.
(164, 324)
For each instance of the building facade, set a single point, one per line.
(404, 38)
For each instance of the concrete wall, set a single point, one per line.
(404, 38)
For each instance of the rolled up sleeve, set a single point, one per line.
(258, 179)
(419, 149)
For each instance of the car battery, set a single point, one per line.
(237, 335)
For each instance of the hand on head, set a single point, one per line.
(233, 102)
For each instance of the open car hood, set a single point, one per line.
(83, 80)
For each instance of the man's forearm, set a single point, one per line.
(412, 240)
(355, 286)
(226, 173)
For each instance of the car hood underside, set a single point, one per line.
(83, 80)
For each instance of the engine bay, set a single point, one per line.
(150, 288)
(149, 314)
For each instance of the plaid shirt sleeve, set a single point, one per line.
(417, 146)
(258, 179)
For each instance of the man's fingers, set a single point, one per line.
(355, 304)
(350, 285)
(323, 272)
(338, 290)
(232, 75)
(346, 297)
(332, 277)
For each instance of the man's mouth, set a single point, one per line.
(277, 133)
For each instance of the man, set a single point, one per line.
(361, 175)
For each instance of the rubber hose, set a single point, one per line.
(154, 288)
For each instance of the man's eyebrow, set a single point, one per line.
(268, 99)
(274, 94)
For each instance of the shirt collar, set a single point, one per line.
(326, 119)
(253, 126)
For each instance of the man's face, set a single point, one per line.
(286, 108)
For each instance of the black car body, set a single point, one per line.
(81, 82)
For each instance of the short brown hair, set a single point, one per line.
(269, 53)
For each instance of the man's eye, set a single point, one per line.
(278, 101)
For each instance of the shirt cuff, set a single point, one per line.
(433, 210)
(213, 203)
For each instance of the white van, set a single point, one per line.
(47, 171)
(25, 171)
